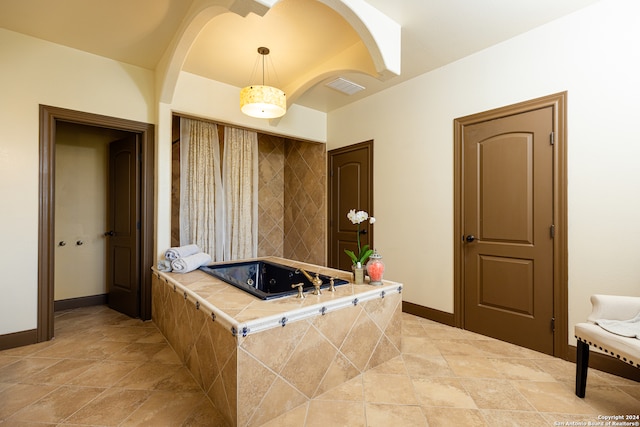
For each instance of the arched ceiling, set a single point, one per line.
(306, 37)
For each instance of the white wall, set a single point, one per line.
(35, 72)
(80, 215)
(592, 54)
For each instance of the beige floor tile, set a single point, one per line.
(384, 415)
(631, 390)
(105, 373)
(147, 376)
(323, 413)
(496, 418)
(61, 373)
(419, 345)
(110, 408)
(104, 367)
(165, 408)
(443, 392)
(24, 368)
(611, 400)
(350, 390)
(426, 366)
(382, 388)
(473, 367)
(394, 366)
(294, 418)
(18, 396)
(460, 347)
(553, 397)
(495, 394)
(57, 405)
(520, 369)
(447, 417)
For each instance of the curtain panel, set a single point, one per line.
(201, 194)
(240, 175)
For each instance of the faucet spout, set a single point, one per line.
(315, 281)
(307, 275)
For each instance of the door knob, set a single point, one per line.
(470, 238)
(109, 233)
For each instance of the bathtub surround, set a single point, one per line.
(258, 359)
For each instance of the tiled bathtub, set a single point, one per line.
(257, 359)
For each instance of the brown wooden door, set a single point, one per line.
(123, 265)
(508, 228)
(350, 187)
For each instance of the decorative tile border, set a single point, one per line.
(278, 320)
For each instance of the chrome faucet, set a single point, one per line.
(315, 281)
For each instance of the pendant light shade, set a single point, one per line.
(261, 101)
(264, 102)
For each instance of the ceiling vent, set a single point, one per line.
(345, 86)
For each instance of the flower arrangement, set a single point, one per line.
(363, 252)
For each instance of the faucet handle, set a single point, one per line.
(317, 282)
(331, 288)
(299, 286)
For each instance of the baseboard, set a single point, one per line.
(18, 339)
(428, 313)
(71, 303)
(605, 363)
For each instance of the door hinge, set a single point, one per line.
(552, 231)
(553, 324)
(552, 138)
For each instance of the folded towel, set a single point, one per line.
(164, 265)
(626, 328)
(190, 263)
(181, 252)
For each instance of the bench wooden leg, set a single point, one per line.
(582, 363)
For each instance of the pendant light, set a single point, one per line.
(264, 102)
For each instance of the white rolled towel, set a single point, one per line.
(181, 252)
(190, 263)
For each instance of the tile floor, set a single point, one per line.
(104, 369)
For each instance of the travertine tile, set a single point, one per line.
(446, 417)
(442, 391)
(383, 415)
(520, 369)
(393, 389)
(322, 413)
(309, 362)
(110, 408)
(164, 408)
(496, 394)
(497, 418)
(58, 404)
(456, 388)
(17, 396)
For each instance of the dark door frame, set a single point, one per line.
(46, 220)
(558, 102)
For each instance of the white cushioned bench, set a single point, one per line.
(610, 307)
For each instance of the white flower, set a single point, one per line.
(357, 217)
(372, 220)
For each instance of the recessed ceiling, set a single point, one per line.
(300, 34)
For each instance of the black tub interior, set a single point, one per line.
(263, 279)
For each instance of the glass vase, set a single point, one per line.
(375, 269)
(358, 275)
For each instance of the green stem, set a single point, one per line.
(358, 238)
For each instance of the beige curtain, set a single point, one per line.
(201, 194)
(240, 172)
